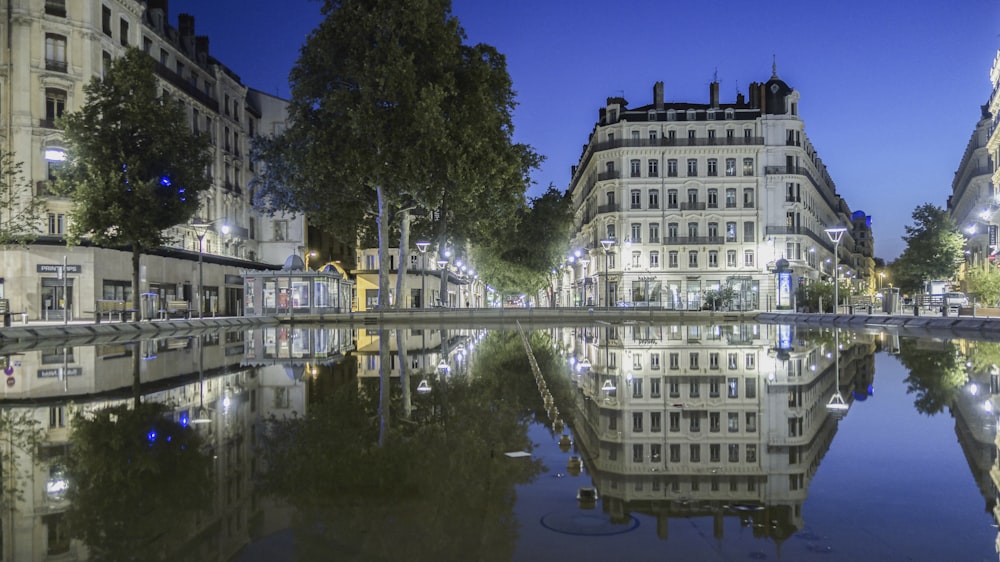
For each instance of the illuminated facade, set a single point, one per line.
(695, 197)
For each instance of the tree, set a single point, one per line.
(417, 121)
(983, 283)
(523, 260)
(934, 249)
(810, 296)
(20, 210)
(134, 166)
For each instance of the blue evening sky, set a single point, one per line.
(891, 89)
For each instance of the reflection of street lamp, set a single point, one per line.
(836, 233)
(422, 246)
(608, 243)
(837, 406)
(201, 229)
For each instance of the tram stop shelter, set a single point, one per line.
(296, 290)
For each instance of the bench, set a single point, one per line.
(5, 312)
(110, 308)
(175, 307)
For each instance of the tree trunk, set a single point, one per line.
(402, 268)
(442, 245)
(136, 295)
(383, 255)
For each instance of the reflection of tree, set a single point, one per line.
(21, 435)
(984, 356)
(936, 373)
(439, 488)
(136, 478)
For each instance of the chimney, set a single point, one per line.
(201, 48)
(754, 96)
(158, 5)
(740, 100)
(713, 93)
(658, 95)
(185, 24)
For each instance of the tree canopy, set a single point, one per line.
(134, 167)
(934, 249)
(20, 209)
(391, 111)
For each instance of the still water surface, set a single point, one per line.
(602, 442)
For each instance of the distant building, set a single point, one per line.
(698, 197)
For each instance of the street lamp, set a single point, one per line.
(422, 246)
(583, 280)
(443, 268)
(836, 233)
(311, 254)
(607, 243)
(201, 229)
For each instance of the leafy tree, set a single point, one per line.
(722, 298)
(20, 210)
(136, 477)
(522, 261)
(418, 121)
(810, 296)
(983, 283)
(134, 166)
(934, 249)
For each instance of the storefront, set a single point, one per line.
(295, 291)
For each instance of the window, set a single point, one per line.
(748, 198)
(675, 361)
(692, 231)
(748, 166)
(713, 167)
(714, 423)
(750, 359)
(654, 259)
(751, 423)
(694, 389)
(731, 361)
(55, 52)
(652, 117)
(693, 360)
(672, 167)
(748, 258)
(654, 198)
(714, 453)
(692, 197)
(713, 198)
(734, 422)
(637, 453)
(749, 231)
(55, 8)
(713, 231)
(637, 362)
(751, 453)
(106, 20)
(147, 45)
(734, 453)
(693, 258)
(636, 199)
(671, 198)
(672, 259)
(713, 363)
(55, 105)
(731, 258)
(713, 258)
(672, 230)
(692, 167)
(636, 232)
(123, 32)
(105, 63)
(280, 230)
(711, 132)
(653, 167)
(636, 258)
(731, 198)
(57, 223)
(637, 422)
(654, 233)
(730, 166)
(164, 57)
(611, 232)
(691, 133)
(675, 453)
(695, 450)
(634, 168)
(637, 387)
(675, 421)
(733, 387)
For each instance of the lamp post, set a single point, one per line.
(201, 229)
(583, 280)
(836, 233)
(311, 254)
(422, 246)
(443, 267)
(607, 243)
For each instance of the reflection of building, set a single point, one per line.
(220, 384)
(722, 421)
(701, 197)
(54, 48)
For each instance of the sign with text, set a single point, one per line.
(54, 372)
(57, 268)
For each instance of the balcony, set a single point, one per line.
(55, 65)
(163, 71)
(692, 240)
(692, 206)
(45, 188)
(609, 175)
(47, 124)
(609, 208)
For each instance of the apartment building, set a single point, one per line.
(673, 200)
(52, 49)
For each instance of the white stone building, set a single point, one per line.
(51, 50)
(694, 197)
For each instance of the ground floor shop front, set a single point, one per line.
(56, 282)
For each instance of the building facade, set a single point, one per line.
(674, 200)
(53, 49)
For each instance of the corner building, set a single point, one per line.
(673, 200)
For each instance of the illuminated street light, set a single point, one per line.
(836, 233)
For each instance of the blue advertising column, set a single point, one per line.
(783, 285)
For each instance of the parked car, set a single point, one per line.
(956, 299)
